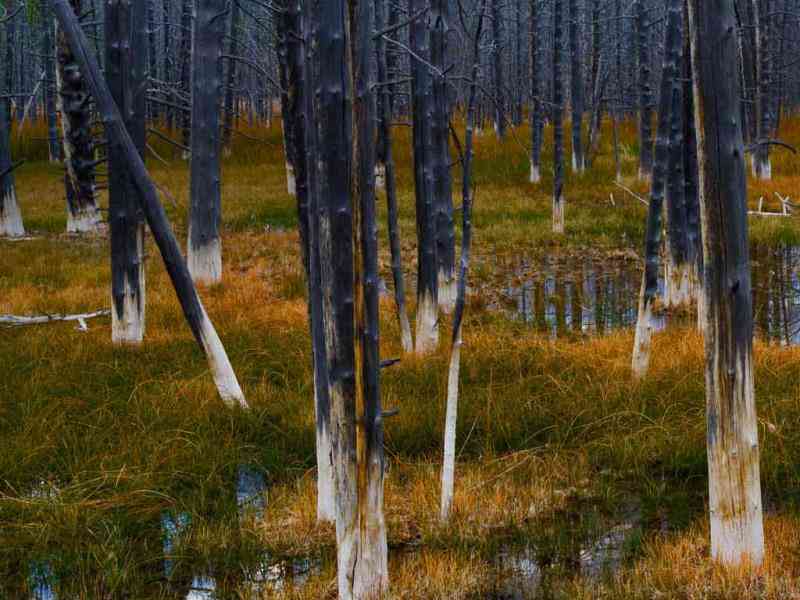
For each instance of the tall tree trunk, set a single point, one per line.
(342, 41)
(79, 157)
(125, 73)
(440, 126)
(737, 532)
(120, 140)
(645, 93)
(536, 114)
(168, 66)
(204, 251)
(49, 88)
(424, 184)
(288, 140)
(185, 58)
(152, 65)
(385, 137)
(576, 88)
(10, 216)
(763, 16)
(451, 416)
(558, 116)
(669, 74)
(231, 79)
(302, 119)
(498, 89)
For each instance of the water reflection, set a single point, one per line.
(569, 298)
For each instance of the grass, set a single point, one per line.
(558, 446)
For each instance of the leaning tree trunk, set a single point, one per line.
(120, 140)
(558, 118)
(536, 113)
(76, 124)
(645, 93)
(10, 217)
(126, 76)
(440, 131)
(422, 106)
(342, 40)
(301, 114)
(385, 137)
(737, 532)
(576, 88)
(204, 251)
(649, 289)
(761, 161)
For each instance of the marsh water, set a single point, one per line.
(559, 298)
(574, 297)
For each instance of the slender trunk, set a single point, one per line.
(576, 88)
(168, 64)
(204, 251)
(424, 180)
(737, 533)
(185, 56)
(647, 297)
(645, 94)
(451, 416)
(79, 158)
(762, 15)
(342, 40)
(49, 89)
(231, 80)
(288, 140)
(384, 124)
(126, 77)
(440, 132)
(152, 68)
(498, 90)
(536, 115)
(558, 116)
(10, 216)
(120, 140)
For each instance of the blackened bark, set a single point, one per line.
(576, 87)
(152, 65)
(231, 78)
(79, 158)
(185, 57)
(558, 117)
(204, 248)
(126, 77)
(168, 64)
(498, 90)
(645, 93)
(10, 218)
(737, 533)
(763, 16)
(424, 184)
(49, 88)
(536, 115)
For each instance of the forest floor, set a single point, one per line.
(573, 480)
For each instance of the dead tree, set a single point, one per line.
(558, 119)
(341, 38)
(204, 249)
(576, 88)
(76, 123)
(10, 216)
(119, 139)
(126, 76)
(498, 87)
(536, 113)
(185, 67)
(231, 78)
(645, 93)
(422, 107)
(737, 532)
(385, 139)
(762, 166)
(653, 235)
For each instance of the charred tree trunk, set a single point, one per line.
(576, 88)
(119, 138)
(558, 120)
(231, 79)
(645, 94)
(342, 42)
(283, 78)
(204, 251)
(498, 90)
(451, 417)
(79, 158)
(301, 108)
(762, 13)
(385, 137)
(536, 113)
(185, 57)
(168, 63)
(10, 216)
(424, 185)
(48, 66)
(737, 533)
(647, 296)
(152, 66)
(443, 195)
(125, 74)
